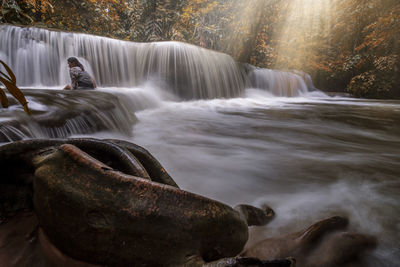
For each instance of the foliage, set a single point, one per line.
(339, 42)
(105, 17)
(9, 80)
(153, 20)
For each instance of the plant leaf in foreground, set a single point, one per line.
(10, 83)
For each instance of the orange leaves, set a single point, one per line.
(383, 32)
(39, 5)
(9, 80)
(321, 66)
(91, 16)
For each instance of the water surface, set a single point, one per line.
(308, 158)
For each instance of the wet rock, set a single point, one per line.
(100, 215)
(255, 216)
(322, 244)
(23, 243)
(93, 212)
(89, 202)
(151, 164)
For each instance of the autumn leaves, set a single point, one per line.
(9, 80)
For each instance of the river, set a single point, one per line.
(309, 156)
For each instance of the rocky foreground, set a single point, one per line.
(89, 202)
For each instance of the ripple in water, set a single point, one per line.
(307, 158)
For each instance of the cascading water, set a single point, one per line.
(58, 114)
(38, 58)
(309, 158)
(278, 83)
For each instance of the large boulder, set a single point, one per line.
(89, 202)
(95, 202)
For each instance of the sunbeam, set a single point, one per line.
(307, 22)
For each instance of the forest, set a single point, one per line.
(199, 133)
(346, 46)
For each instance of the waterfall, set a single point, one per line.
(279, 83)
(38, 58)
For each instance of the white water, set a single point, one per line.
(38, 58)
(308, 157)
(278, 83)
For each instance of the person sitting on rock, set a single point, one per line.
(80, 79)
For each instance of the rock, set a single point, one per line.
(322, 244)
(151, 164)
(92, 211)
(23, 243)
(89, 202)
(255, 216)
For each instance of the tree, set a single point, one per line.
(341, 43)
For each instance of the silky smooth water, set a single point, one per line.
(308, 158)
(39, 59)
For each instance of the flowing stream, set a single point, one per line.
(308, 158)
(238, 137)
